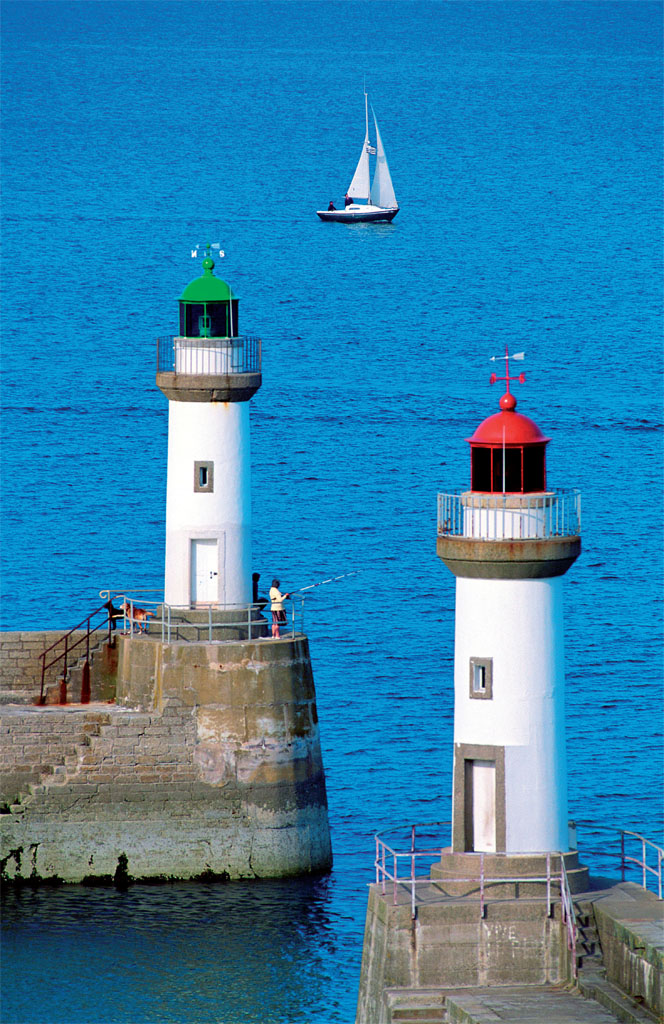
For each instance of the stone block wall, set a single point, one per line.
(210, 765)
(20, 666)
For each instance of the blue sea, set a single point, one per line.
(524, 140)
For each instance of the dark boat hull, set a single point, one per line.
(353, 216)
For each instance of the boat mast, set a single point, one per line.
(366, 117)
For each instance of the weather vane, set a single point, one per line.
(207, 247)
(517, 355)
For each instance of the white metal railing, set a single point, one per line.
(172, 623)
(610, 848)
(646, 869)
(209, 356)
(510, 516)
(387, 870)
(568, 915)
(388, 860)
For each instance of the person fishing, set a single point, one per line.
(277, 608)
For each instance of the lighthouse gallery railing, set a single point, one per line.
(510, 516)
(209, 356)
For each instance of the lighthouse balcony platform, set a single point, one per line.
(209, 369)
(509, 536)
(206, 624)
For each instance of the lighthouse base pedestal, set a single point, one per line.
(508, 875)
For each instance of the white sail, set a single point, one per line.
(359, 186)
(382, 192)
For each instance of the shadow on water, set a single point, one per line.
(235, 952)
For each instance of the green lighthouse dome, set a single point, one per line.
(208, 307)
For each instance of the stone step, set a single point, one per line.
(531, 1004)
(593, 985)
(415, 1006)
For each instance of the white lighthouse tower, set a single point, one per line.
(509, 540)
(208, 372)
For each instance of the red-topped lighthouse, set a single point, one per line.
(509, 540)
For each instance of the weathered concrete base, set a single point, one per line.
(178, 846)
(209, 764)
(451, 964)
(630, 926)
(450, 945)
(520, 866)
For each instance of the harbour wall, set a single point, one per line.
(208, 765)
(451, 946)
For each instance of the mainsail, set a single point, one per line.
(359, 186)
(382, 192)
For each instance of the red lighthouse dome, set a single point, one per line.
(508, 450)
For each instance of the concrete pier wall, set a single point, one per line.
(516, 946)
(450, 945)
(208, 764)
(630, 926)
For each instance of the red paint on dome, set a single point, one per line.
(508, 427)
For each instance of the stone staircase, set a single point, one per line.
(103, 668)
(592, 981)
(63, 739)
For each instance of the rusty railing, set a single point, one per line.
(65, 646)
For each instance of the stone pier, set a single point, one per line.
(208, 764)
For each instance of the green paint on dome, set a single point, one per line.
(207, 287)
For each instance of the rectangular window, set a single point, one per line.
(480, 469)
(508, 481)
(534, 473)
(481, 679)
(193, 313)
(204, 477)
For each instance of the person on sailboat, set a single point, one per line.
(347, 200)
(331, 206)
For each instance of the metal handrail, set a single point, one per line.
(384, 853)
(568, 915)
(643, 864)
(65, 654)
(491, 517)
(173, 625)
(614, 847)
(209, 356)
(388, 857)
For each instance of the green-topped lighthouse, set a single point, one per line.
(208, 372)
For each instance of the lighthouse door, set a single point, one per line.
(204, 572)
(483, 797)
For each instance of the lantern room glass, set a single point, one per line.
(523, 472)
(208, 319)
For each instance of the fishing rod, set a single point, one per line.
(332, 579)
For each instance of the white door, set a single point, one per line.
(484, 806)
(204, 572)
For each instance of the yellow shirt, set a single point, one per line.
(277, 600)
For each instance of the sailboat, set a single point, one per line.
(378, 201)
